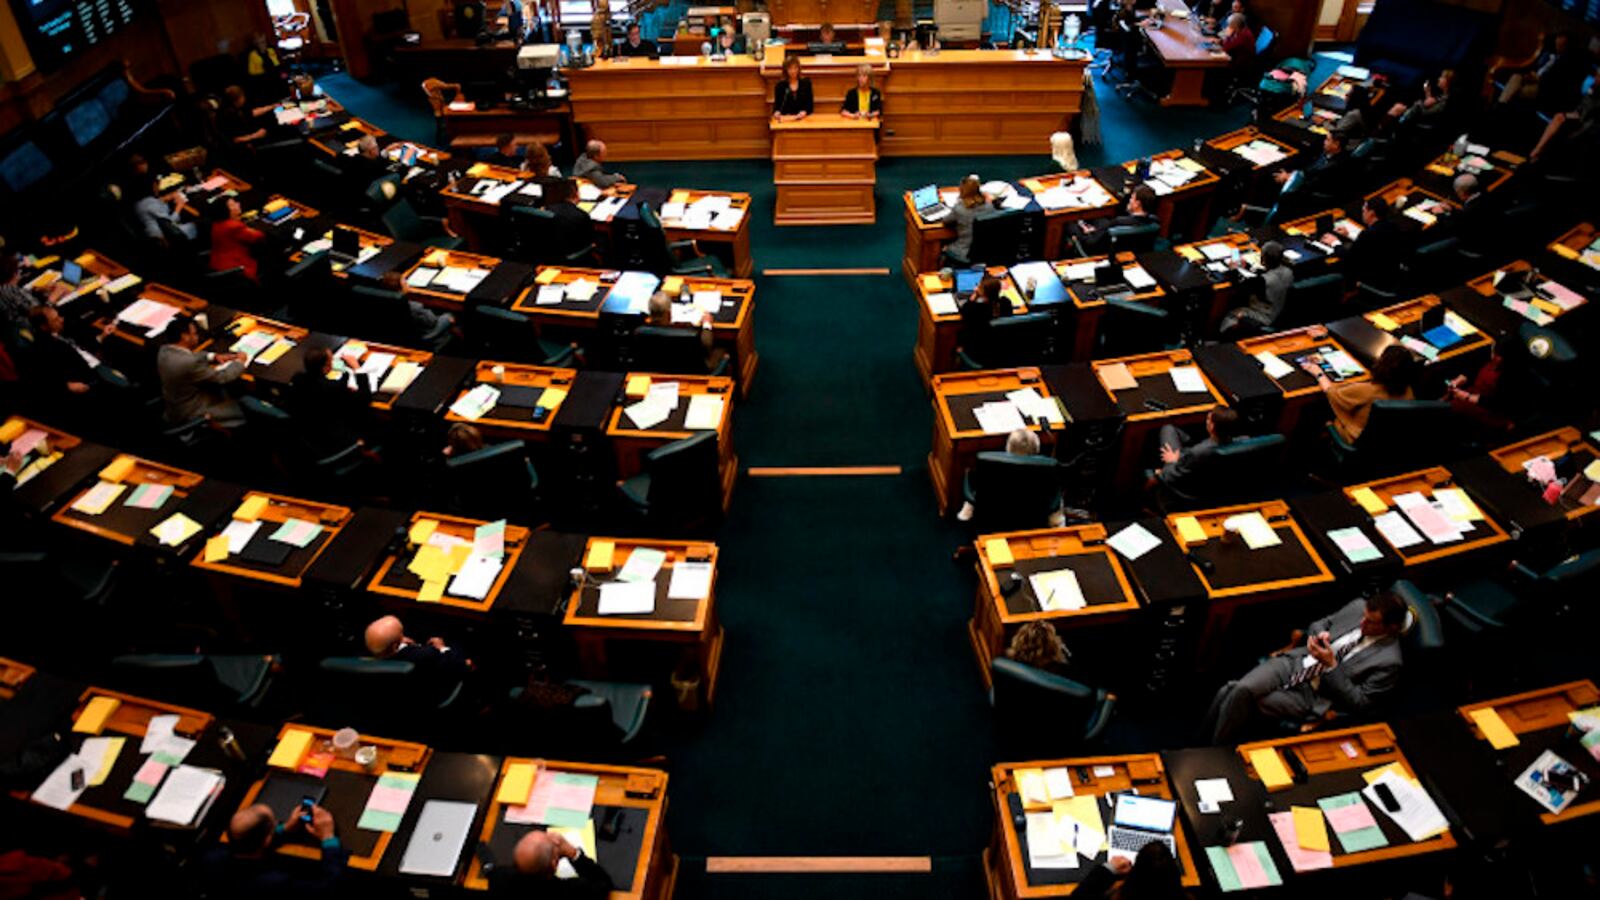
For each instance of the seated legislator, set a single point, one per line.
(532, 871)
(462, 439)
(634, 45)
(864, 101)
(1436, 103)
(368, 164)
(16, 300)
(1555, 79)
(434, 660)
(61, 361)
(591, 165)
(237, 120)
(155, 207)
(1265, 305)
(505, 151)
(1020, 442)
(1352, 401)
(192, 381)
(536, 161)
(660, 316)
(727, 41)
(1349, 661)
(1326, 175)
(977, 311)
(1039, 645)
(1376, 254)
(791, 99)
(1184, 460)
(1358, 119)
(1575, 128)
(329, 413)
(1238, 39)
(969, 199)
(232, 239)
(1481, 398)
(1151, 875)
(247, 867)
(1096, 236)
(574, 225)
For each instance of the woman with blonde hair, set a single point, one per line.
(862, 101)
(1062, 151)
(1038, 645)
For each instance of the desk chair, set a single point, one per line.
(672, 351)
(681, 487)
(1400, 435)
(538, 238)
(404, 223)
(1010, 492)
(1523, 596)
(606, 716)
(496, 482)
(1241, 471)
(333, 468)
(1010, 341)
(1312, 301)
(510, 335)
(1133, 61)
(1039, 710)
(385, 315)
(1129, 326)
(1246, 76)
(372, 695)
(201, 680)
(648, 243)
(80, 586)
(1432, 263)
(309, 287)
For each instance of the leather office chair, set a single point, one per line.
(538, 238)
(309, 290)
(1010, 492)
(1241, 471)
(202, 680)
(627, 704)
(1039, 710)
(1492, 605)
(496, 482)
(385, 315)
(1131, 238)
(681, 486)
(331, 468)
(606, 716)
(404, 223)
(1399, 434)
(666, 257)
(671, 351)
(1128, 326)
(1010, 341)
(1433, 263)
(1312, 300)
(371, 694)
(509, 335)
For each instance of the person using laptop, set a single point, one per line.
(249, 869)
(232, 239)
(1152, 874)
(1095, 237)
(533, 871)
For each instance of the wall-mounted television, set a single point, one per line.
(57, 30)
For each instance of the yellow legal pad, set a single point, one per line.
(95, 715)
(1495, 730)
(1384, 322)
(1310, 828)
(1270, 768)
(998, 551)
(599, 558)
(1189, 530)
(1031, 785)
(117, 470)
(431, 591)
(1369, 501)
(517, 784)
(291, 749)
(423, 529)
(12, 430)
(250, 509)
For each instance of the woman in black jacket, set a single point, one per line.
(791, 100)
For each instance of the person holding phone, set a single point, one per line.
(248, 867)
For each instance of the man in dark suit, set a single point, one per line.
(634, 45)
(367, 164)
(329, 413)
(1350, 660)
(1184, 460)
(532, 872)
(1375, 255)
(572, 224)
(436, 662)
(247, 867)
(61, 362)
(505, 152)
(1095, 237)
(1326, 176)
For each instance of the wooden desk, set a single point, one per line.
(1100, 202)
(690, 108)
(1485, 284)
(104, 803)
(440, 296)
(639, 795)
(957, 436)
(469, 124)
(46, 452)
(99, 270)
(1442, 171)
(348, 786)
(1000, 609)
(126, 524)
(825, 169)
(137, 335)
(343, 141)
(286, 361)
(1153, 371)
(1334, 761)
(1299, 388)
(478, 219)
(1237, 261)
(655, 646)
(1182, 210)
(1553, 445)
(292, 568)
(1539, 720)
(1182, 50)
(1004, 860)
(731, 245)
(1415, 205)
(633, 443)
(1303, 237)
(395, 579)
(1327, 103)
(1407, 317)
(350, 354)
(1579, 245)
(939, 332)
(366, 240)
(513, 420)
(1243, 138)
(1485, 532)
(12, 676)
(1090, 306)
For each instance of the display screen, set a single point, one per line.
(1587, 10)
(57, 29)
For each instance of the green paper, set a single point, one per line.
(167, 759)
(1369, 838)
(1227, 878)
(565, 818)
(377, 820)
(139, 792)
(1267, 865)
(405, 781)
(576, 780)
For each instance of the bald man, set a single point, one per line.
(437, 663)
(591, 165)
(533, 872)
(246, 867)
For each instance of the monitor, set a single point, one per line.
(1147, 813)
(72, 273)
(346, 241)
(825, 48)
(57, 30)
(87, 121)
(967, 280)
(24, 166)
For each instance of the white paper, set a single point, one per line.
(1273, 365)
(647, 413)
(1419, 817)
(999, 417)
(1216, 251)
(943, 304)
(1133, 542)
(1046, 849)
(621, 598)
(161, 727)
(1396, 530)
(1138, 278)
(1034, 406)
(1057, 590)
(184, 791)
(1079, 272)
(690, 581)
(550, 295)
(400, 377)
(709, 302)
(705, 412)
(1213, 790)
(476, 576)
(1187, 379)
(642, 565)
(56, 790)
(1254, 529)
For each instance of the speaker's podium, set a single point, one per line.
(825, 167)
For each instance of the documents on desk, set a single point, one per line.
(387, 803)
(622, 598)
(175, 529)
(1552, 781)
(1301, 857)
(1133, 542)
(1116, 377)
(1187, 379)
(1396, 530)
(999, 417)
(1355, 545)
(1429, 518)
(1138, 278)
(607, 209)
(151, 315)
(690, 581)
(643, 564)
(1272, 365)
(185, 795)
(943, 303)
(1256, 531)
(1057, 590)
(705, 412)
(1419, 817)
(1261, 152)
(659, 402)
(1243, 866)
(475, 403)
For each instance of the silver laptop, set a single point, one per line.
(1139, 820)
(437, 839)
(927, 203)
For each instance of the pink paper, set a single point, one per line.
(27, 441)
(388, 799)
(1345, 819)
(1562, 296)
(538, 801)
(1247, 865)
(1302, 859)
(1432, 523)
(150, 772)
(568, 796)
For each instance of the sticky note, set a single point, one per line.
(456, 557)
(638, 385)
(291, 749)
(1189, 530)
(478, 169)
(422, 529)
(1592, 470)
(251, 508)
(599, 558)
(547, 275)
(429, 563)
(118, 469)
(1384, 322)
(1494, 728)
(1270, 768)
(932, 283)
(1369, 501)
(95, 715)
(672, 285)
(1310, 828)
(517, 784)
(999, 551)
(1564, 251)
(11, 430)
(431, 591)
(242, 324)
(217, 548)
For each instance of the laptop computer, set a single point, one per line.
(72, 273)
(1324, 225)
(438, 838)
(929, 207)
(967, 281)
(1139, 820)
(1511, 284)
(346, 244)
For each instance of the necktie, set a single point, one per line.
(1316, 669)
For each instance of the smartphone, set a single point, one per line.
(306, 805)
(1386, 796)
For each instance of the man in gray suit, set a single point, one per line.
(591, 166)
(1349, 661)
(1183, 461)
(191, 381)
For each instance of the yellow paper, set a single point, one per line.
(1369, 501)
(638, 385)
(1191, 254)
(1030, 784)
(1545, 305)
(1189, 530)
(547, 275)
(291, 749)
(1270, 768)
(430, 563)
(43, 261)
(1310, 828)
(95, 715)
(271, 355)
(1494, 728)
(251, 508)
(456, 557)
(99, 498)
(117, 470)
(217, 548)
(1564, 250)
(242, 325)
(1468, 508)
(113, 750)
(349, 125)
(431, 591)
(1384, 322)
(478, 169)
(274, 204)
(672, 285)
(1083, 809)
(933, 284)
(12, 430)
(175, 529)
(1592, 470)
(579, 837)
(1372, 775)
(517, 784)
(999, 551)
(552, 397)
(599, 558)
(422, 529)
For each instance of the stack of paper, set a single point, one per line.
(387, 803)
(99, 498)
(298, 532)
(1031, 404)
(1116, 377)
(476, 402)
(175, 529)
(148, 314)
(607, 209)
(1419, 817)
(1050, 842)
(1243, 867)
(627, 598)
(1256, 531)
(705, 412)
(559, 799)
(400, 377)
(1133, 542)
(57, 790)
(1307, 850)
(659, 402)
(252, 343)
(690, 581)
(185, 793)
(1352, 823)
(1187, 379)
(999, 417)
(1355, 545)
(1430, 519)
(1057, 590)
(642, 565)
(1273, 365)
